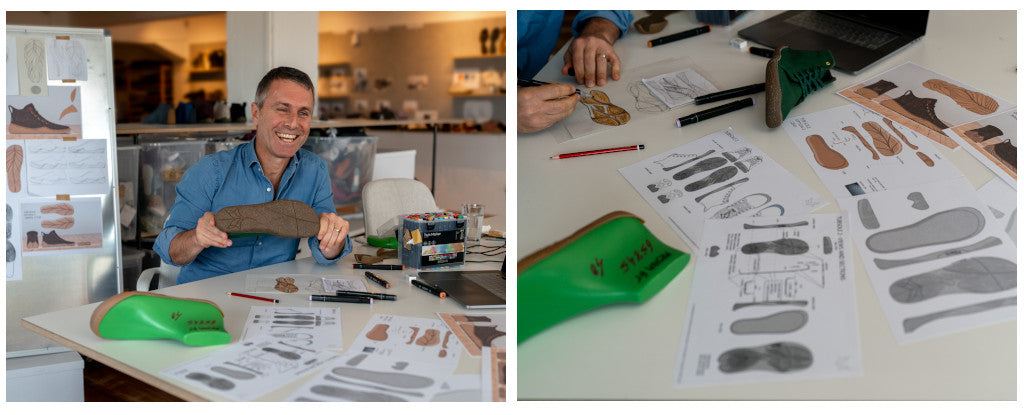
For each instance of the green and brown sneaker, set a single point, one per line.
(791, 76)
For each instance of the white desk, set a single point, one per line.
(144, 359)
(629, 351)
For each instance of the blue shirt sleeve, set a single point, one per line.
(194, 198)
(621, 18)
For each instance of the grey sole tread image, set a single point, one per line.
(283, 217)
(952, 225)
(972, 275)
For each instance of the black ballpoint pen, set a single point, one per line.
(714, 112)
(729, 93)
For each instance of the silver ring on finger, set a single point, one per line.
(601, 55)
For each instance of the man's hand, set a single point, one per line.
(186, 246)
(333, 230)
(590, 54)
(541, 106)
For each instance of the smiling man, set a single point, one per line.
(273, 166)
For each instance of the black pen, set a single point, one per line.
(375, 296)
(337, 299)
(429, 288)
(387, 267)
(765, 52)
(531, 82)
(373, 277)
(678, 36)
(714, 112)
(729, 93)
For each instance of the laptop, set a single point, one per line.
(857, 38)
(472, 289)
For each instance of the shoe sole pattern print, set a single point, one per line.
(15, 156)
(283, 217)
(602, 111)
(777, 357)
(972, 275)
(972, 101)
(825, 155)
(884, 142)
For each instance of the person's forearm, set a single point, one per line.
(601, 27)
(183, 248)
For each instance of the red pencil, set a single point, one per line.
(254, 297)
(592, 152)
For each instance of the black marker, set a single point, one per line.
(375, 296)
(429, 288)
(714, 112)
(336, 299)
(386, 267)
(729, 93)
(372, 277)
(678, 36)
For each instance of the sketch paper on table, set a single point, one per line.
(14, 246)
(61, 107)
(492, 374)
(367, 377)
(315, 328)
(249, 369)
(424, 341)
(772, 299)
(477, 331)
(924, 100)
(332, 285)
(58, 167)
(629, 93)
(51, 226)
(299, 284)
(679, 88)
(31, 55)
(993, 141)
(941, 270)
(856, 151)
(1001, 200)
(66, 59)
(12, 65)
(718, 176)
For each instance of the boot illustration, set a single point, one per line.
(921, 110)
(28, 121)
(876, 89)
(984, 133)
(53, 239)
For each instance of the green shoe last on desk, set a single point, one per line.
(611, 260)
(134, 315)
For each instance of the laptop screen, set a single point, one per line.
(904, 21)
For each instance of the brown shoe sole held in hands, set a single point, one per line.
(283, 217)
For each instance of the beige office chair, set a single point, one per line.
(166, 275)
(385, 200)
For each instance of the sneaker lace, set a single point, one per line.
(811, 79)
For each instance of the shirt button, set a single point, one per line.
(269, 189)
(259, 243)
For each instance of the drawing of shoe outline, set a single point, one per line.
(778, 357)
(739, 207)
(602, 111)
(781, 246)
(734, 155)
(745, 165)
(718, 176)
(980, 275)
(876, 89)
(980, 134)
(702, 166)
(692, 158)
(917, 109)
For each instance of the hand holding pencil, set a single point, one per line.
(539, 107)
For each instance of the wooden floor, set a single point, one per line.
(103, 384)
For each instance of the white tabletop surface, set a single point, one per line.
(144, 359)
(630, 351)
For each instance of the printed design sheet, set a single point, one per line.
(302, 284)
(12, 65)
(14, 246)
(58, 167)
(417, 341)
(493, 374)
(937, 258)
(1001, 200)
(248, 369)
(477, 331)
(55, 114)
(365, 377)
(925, 101)
(308, 327)
(629, 100)
(719, 176)
(993, 141)
(772, 299)
(855, 151)
(50, 226)
(66, 59)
